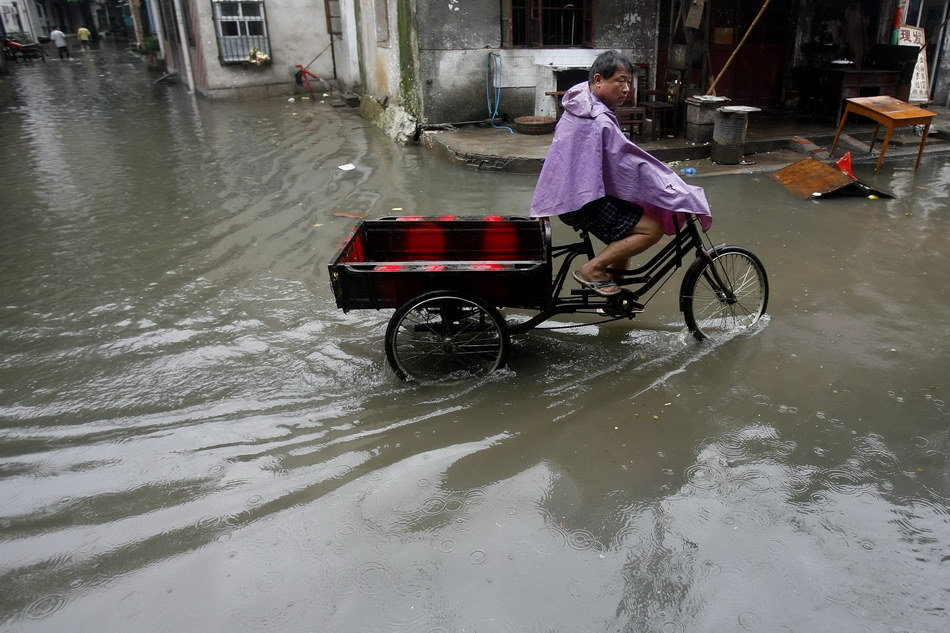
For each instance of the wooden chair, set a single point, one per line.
(630, 114)
(660, 108)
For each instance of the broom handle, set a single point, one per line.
(741, 42)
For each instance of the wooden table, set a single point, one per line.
(891, 113)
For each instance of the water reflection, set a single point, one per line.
(194, 437)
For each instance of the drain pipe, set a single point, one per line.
(333, 56)
(493, 81)
(185, 53)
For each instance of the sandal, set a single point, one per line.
(607, 288)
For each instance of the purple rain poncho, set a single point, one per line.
(590, 158)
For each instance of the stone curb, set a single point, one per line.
(772, 154)
(481, 162)
(848, 141)
(808, 147)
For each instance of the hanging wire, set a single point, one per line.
(493, 77)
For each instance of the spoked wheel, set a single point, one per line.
(724, 295)
(442, 334)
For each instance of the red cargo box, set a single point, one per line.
(504, 260)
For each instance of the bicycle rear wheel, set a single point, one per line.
(444, 334)
(725, 294)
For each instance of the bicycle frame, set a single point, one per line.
(448, 276)
(655, 271)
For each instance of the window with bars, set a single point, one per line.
(334, 17)
(241, 27)
(548, 23)
(382, 22)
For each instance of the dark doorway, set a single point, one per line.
(755, 76)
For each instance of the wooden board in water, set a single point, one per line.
(811, 178)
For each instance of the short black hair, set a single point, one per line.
(608, 63)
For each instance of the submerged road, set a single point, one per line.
(194, 438)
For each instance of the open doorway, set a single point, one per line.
(697, 40)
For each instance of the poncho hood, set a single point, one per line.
(581, 102)
(590, 157)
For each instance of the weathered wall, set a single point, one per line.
(459, 24)
(456, 37)
(379, 60)
(387, 35)
(434, 67)
(297, 30)
(941, 93)
(629, 26)
(346, 49)
(31, 24)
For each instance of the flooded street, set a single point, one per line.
(194, 438)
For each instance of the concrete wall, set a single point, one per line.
(940, 65)
(941, 92)
(297, 30)
(389, 62)
(346, 49)
(433, 68)
(28, 22)
(628, 26)
(379, 60)
(456, 37)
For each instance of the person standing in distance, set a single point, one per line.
(59, 39)
(85, 36)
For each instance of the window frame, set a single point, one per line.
(234, 49)
(532, 15)
(334, 17)
(381, 11)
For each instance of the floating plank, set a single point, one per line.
(811, 178)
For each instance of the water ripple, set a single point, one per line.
(43, 608)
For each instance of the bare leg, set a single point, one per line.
(645, 234)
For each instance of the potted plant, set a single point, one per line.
(257, 57)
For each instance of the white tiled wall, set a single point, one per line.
(532, 68)
(519, 66)
(567, 57)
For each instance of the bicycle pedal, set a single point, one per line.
(624, 305)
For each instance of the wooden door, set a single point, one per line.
(754, 77)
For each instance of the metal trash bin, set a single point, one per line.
(729, 130)
(701, 116)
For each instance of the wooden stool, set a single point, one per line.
(632, 118)
(662, 114)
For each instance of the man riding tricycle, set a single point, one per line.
(448, 277)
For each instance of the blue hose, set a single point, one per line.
(494, 65)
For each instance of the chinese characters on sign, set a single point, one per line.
(920, 83)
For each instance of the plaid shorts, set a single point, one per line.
(607, 218)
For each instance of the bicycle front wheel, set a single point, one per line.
(442, 335)
(725, 294)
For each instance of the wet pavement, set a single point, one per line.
(768, 144)
(194, 437)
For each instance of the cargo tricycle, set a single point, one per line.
(448, 277)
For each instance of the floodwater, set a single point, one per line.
(194, 438)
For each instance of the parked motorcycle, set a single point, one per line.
(13, 49)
